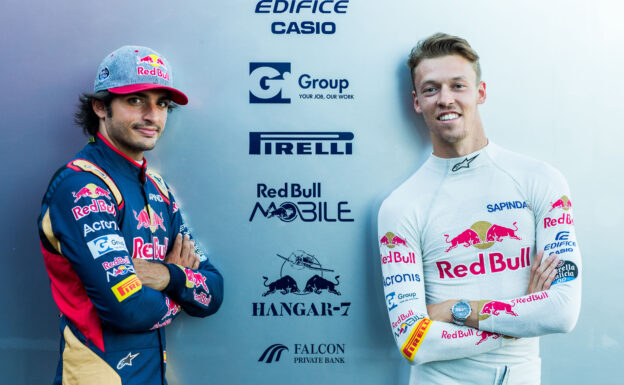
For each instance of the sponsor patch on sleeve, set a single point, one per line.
(106, 244)
(411, 345)
(127, 287)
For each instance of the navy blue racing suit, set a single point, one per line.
(100, 212)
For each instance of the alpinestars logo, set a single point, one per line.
(272, 353)
(127, 360)
(464, 163)
(301, 274)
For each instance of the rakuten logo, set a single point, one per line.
(496, 263)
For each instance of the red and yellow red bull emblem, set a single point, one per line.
(91, 190)
(482, 235)
(416, 337)
(562, 203)
(391, 240)
(152, 60)
(489, 308)
(148, 218)
(127, 287)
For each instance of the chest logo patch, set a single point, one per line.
(482, 235)
(148, 218)
(464, 163)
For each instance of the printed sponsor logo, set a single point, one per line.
(530, 298)
(457, 334)
(564, 219)
(127, 360)
(175, 207)
(563, 203)
(103, 73)
(411, 345)
(119, 271)
(390, 240)
(269, 84)
(307, 211)
(510, 205)
(267, 80)
(397, 257)
(127, 287)
(172, 309)
(301, 274)
(149, 219)
(116, 262)
(302, 8)
(496, 264)
(482, 235)
(495, 308)
(301, 143)
(153, 250)
(464, 163)
(106, 244)
(566, 271)
(485, 335)
(194, 279)
(390, 300)
(202, 298)
(399, 278)
(401, 318)
(91, 190)
(153, 60)
(562, 242)
(99, 226)
(272, 353)
(406, 325)
(96, 206)
(305, 353)
(156, 197)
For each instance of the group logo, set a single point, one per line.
(105, 244)
(270, 82)
(282, 9)
(301, 274)
(307, 208)
(482, 235)
(301, 143)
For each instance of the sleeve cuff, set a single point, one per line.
(177, 278)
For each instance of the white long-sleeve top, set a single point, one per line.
(469, 228)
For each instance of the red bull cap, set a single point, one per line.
(131, 69)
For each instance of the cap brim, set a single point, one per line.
(176, 96)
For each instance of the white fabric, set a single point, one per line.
(468, 228)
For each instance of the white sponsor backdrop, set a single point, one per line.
(553, 79)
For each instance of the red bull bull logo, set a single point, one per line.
(172, 308)
(390, 240)
(495, 308)
(91, 191)
(485, 335)
(563, 203)
(152, 60)
(194, 279)
(482, 235)
(149, 219)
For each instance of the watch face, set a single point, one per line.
(461, 310)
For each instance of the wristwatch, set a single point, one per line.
(461, 311)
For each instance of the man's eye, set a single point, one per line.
(459, 86)
(164, 103)
(429, 90)
(134, 100)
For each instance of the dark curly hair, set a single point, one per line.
(86, 118)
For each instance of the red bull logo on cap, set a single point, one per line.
(482, 235)
(148, 218)
(390, 240)
(91, 191)
(152, 60)
(563, 203)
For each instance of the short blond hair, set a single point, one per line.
(442, 44)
